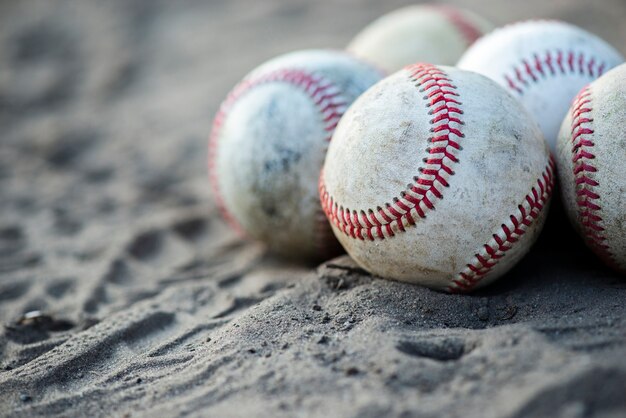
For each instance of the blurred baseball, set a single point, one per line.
(420, 33)
(437, 176)
(542, 63)
(268, 143)
(591, 157)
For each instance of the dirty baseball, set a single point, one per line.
(268, 144)
(591, 157)
(543, 64)
(425, 181)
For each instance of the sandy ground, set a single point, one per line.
(152, 307)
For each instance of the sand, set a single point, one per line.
(148, 305)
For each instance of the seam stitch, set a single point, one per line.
(443, 103)
(493, 251)
(587, 196)
(326, 97)
(551, 63)
(467, 29)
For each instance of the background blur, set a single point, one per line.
(105, 110)
(101, 100)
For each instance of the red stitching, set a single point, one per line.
(586, 192)
(420, 196)
(528, 212)
(468, 30)
(326, 97)
(543, 65)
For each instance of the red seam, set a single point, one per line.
(468, 30)
(326, 97)
(542, 65)
(420, 196)
(587, 194)
(482, 265)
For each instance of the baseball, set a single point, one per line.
(542, 63)
(437, 176)
(268, 143)
(420, 33)
(591, 157)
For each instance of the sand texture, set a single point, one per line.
(150, 305)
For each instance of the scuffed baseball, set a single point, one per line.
(437, 176)
(542, 63)
(591, 157)
(419, 33)
(268, 143)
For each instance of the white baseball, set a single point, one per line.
(419, 33)
(437, 176)
(591, 157)
(268, 143)
(542, 63)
